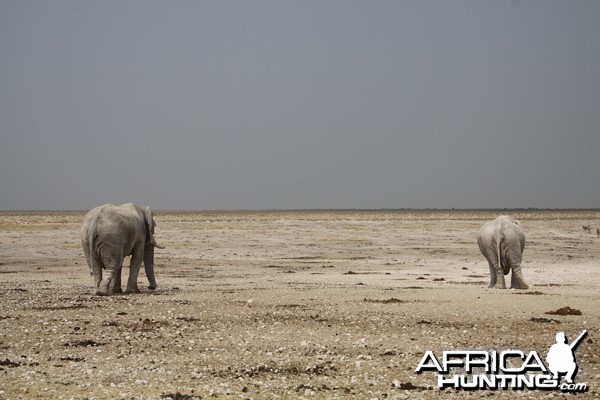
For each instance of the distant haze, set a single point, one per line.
(299, 104)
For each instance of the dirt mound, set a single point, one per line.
(565, 311)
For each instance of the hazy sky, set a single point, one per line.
(299, 104)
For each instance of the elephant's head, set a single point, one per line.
(149, 248)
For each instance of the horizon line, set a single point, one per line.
(274, 210)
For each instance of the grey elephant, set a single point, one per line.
(108, 235)
(502, 242)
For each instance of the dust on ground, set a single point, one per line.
(288, 305)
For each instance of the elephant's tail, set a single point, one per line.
(503, 265)
(95, 259)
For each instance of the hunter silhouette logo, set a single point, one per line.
(508, 369)
(560, 357)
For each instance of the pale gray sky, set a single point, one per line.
(299, 104)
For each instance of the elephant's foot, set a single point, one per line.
(518, 282)
(117, 290)
(152, 287)
(521, 285)
(133, 290)
(104, 289)
(500, 283)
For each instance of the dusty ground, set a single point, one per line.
(288, 305)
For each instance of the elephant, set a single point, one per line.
(502, 242)
(108, 235)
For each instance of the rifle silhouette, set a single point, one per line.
(575, 343)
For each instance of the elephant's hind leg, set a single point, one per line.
(112, 264)
(106, 284)
(517, 281)
(117, 283)
(134, 268)
(492, 275)
(496, 274)
(500, 283)
(95, 264)
(499, 261)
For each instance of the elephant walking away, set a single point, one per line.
(108, 235)
(502, 242)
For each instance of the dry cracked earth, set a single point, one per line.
(285, 305)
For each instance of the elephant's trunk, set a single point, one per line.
(149, 266)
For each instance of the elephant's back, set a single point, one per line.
(110, 220)
(90, 220)
(505, 230)
(487, 232)
(511, 228)
(502, 224)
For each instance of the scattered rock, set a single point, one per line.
(544, 320)
(83, 343)
(179, 396)
(75, 359)
(290, 306)
(8, 363)
(388, 301)
(406, 386)
(534, 293)
(188, 319)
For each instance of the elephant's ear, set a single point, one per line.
(150, 228)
